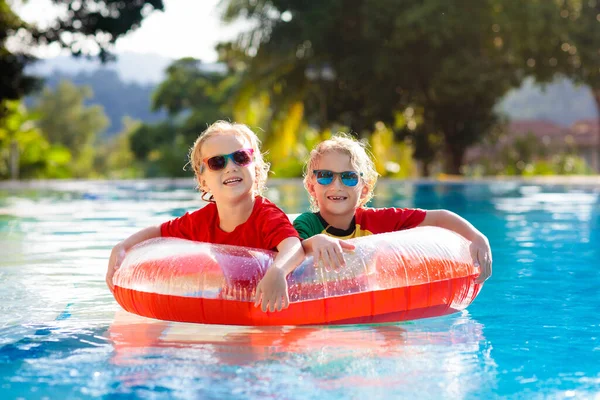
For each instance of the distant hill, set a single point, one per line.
(118, 98)
(131, 67)
(125, 87)
(561, 102)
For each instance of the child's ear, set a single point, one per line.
(364, 191)
(311, 188)
(202, 185)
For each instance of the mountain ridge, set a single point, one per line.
(561, 102)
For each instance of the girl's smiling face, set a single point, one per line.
(233, 182)
(336, 198)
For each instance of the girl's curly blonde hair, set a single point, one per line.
(229, 128)
(359, 158)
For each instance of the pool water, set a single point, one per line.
(533, 332)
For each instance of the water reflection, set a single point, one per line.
(331, 358)
(446, 357)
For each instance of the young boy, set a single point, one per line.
(340, 178)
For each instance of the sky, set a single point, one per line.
(193, 29)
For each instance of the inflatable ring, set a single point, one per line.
(416, 273)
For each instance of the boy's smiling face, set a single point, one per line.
(336, 199)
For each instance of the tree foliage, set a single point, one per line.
(114, 158)
(89, 28)
(118, 98)
(65, 120)
(14, 83)
(366, 62)
(560, 37)
(194, 96)
(363, 64)
(193, 99)
(24, 152)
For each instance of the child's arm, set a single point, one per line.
(328, 250)
(273, 286)
(480, 246)
(118, 252)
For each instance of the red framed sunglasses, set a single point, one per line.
(241, 157)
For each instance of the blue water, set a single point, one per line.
(533, 332)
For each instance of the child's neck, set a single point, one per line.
(232, 214)
(339, 221)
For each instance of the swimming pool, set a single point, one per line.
(533, 332)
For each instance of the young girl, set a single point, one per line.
(340, 178)
(231, 172)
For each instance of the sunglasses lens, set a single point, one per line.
(242, 158)
(324, 177)
(349, 178)
(216, 163)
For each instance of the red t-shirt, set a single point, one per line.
(265, 229)
(382, 220)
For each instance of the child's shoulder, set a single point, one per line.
(267, 206)
(389, 219)
(208, 209)
(373, 210)
(306, 217)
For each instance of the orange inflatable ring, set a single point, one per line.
(417, 273)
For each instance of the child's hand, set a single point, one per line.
(273, 289)
(116, 258)
(482, 257)
(330, 251)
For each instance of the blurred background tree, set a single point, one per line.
(556, 38)
(362, 64)
(14, 83)
(192, 98)
(115, 159)
(66, 121)
(88, 27)
(420, 81)
(24, 150)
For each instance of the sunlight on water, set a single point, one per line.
(533, 332)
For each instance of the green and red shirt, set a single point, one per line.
(366, 221)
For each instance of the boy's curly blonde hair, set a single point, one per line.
(359, 158)
(230, 128)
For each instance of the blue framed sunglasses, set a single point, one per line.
(348, 178)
